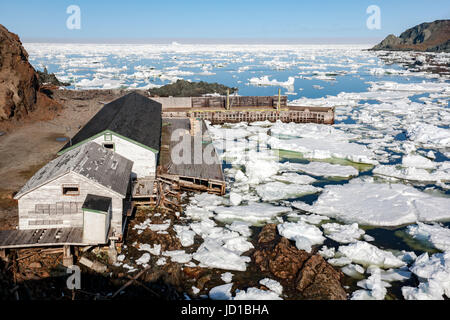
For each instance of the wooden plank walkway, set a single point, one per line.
(10, 239)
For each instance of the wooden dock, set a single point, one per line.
(232, 109)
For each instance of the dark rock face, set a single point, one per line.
(311, 275)
(18, 81)
(434, 36)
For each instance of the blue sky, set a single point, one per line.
(263, 20)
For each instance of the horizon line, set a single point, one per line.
(190, 41)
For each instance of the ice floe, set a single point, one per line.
(435, 235)
(342, 233)
(322, 169)
(434, 274)
(379, 204)
(254, 212)
(304, 234)
(278, 190)
(367, 254)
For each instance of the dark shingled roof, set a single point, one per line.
(92, 161)
(97, 203)
(133, 116)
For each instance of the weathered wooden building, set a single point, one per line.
(130, 126)
(84, 189)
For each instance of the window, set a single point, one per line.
(108, 137)
(109, 146)
(71, 190)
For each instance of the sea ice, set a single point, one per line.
(212, 254)
(185, 235)
(322, 169)
(295, 178)
(353, 270)
(143, 260)
(227, 277)
(155, 250)
(380, 204)
(434, 274)
(429, 134)
(342, 233)
(435, 235)
(367, 254)
(179, 256)
(304, 235)
(326, 252)
(315, 148)
(253, 212)
(222, 292)
(278, 190)
(375, 288)
(235, 198)
(242, 227)
(256, 294)
(272, 285)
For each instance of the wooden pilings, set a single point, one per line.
(67, 256)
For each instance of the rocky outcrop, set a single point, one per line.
(433, 36)
(183, 88)
(309, 274)
(50, 79)
(19, 82)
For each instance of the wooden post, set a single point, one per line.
(67, 257)
(3, 255)
(112, 253)
(279, 99)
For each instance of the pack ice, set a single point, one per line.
(380, 204)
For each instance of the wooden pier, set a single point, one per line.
(225, 109)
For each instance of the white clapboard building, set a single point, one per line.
(83, 189)
(131, 127)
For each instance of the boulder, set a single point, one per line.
(310, 275)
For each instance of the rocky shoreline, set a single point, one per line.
(428, 37)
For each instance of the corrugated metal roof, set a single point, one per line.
(91, 161)
(133, 116)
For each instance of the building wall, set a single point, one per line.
(96, 226)
(52, 194)
(144, 160)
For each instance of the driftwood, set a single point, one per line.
(126, 285)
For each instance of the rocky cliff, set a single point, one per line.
(429, 36)
(19, 82)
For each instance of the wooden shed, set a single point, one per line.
(131, 127)
(83, 188)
